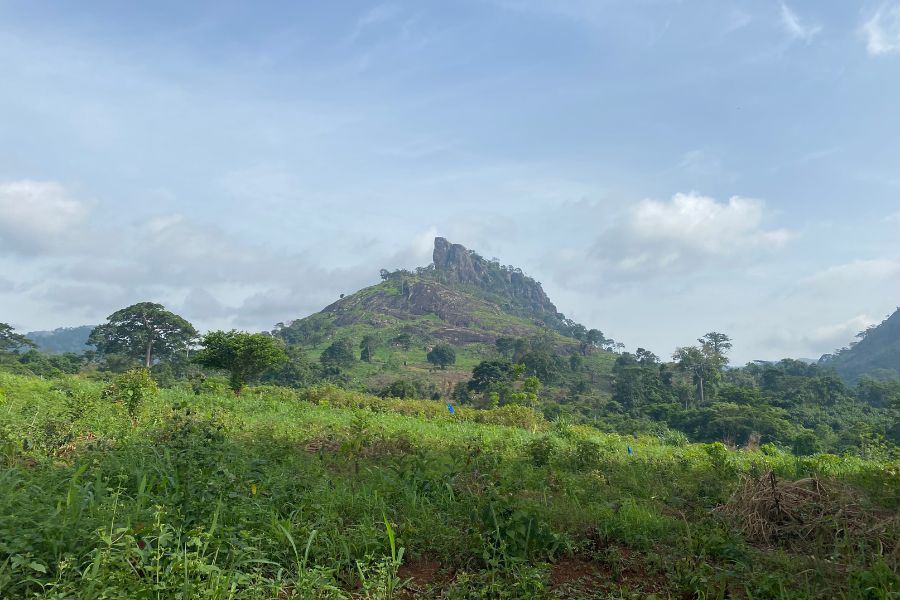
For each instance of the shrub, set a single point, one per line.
(131, 389)
(541, 449)
(513, 415)
(586, 454)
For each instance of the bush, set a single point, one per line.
(586, 455)
(513, 415)
(541, 449)
(131, 389)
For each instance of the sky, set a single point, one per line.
(664, 167)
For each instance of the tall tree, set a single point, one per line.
(10, 341)
(338, 355)
(692, 361)
(244, 355)
(442, 355)
(145, 331)
(715, 346)
(367, 347)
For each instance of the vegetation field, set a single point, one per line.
(114, 492)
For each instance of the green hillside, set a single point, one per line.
(877, 353)
(462, 300)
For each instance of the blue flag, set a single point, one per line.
(630, 451)
(450, 408)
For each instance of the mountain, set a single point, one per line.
(462, 299)
(62, 340)
(877, 353)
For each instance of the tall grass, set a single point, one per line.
(327, 494)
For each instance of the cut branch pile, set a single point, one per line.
(808, 513)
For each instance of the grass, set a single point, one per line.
(325, 493)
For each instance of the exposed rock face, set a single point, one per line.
(454, 263)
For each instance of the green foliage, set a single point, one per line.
(131, 389)
(214, 496)
(442, 355)
(244, 355)
(339, 355)
(145, 332)
(10, 341)
(310, 331)
(367, 348)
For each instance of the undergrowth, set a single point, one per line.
(332, 494)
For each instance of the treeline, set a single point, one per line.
(804, 407)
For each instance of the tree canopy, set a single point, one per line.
(442, 355)
(338, 355)
(145, 331)
(244, 355)
(10, 341)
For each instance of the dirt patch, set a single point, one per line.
(567, 572)
(423, 576)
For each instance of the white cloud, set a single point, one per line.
(819, 339)
(38, 215)
(840, 276)
(688, 231)
(882, 31)
(797, 29)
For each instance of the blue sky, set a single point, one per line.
(664, 168)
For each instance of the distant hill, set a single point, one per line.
(462, 299)
(63, 339)
(877, 353)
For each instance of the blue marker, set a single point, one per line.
(450, 408)
(630, 451)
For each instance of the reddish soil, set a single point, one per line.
(422, 574)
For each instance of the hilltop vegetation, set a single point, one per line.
(325, 493)
(62, 339)
(876, 353)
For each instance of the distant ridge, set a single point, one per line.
(62, 339)
(877, 353)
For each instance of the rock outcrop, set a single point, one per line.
(455, 264)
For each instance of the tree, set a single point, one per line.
(716, 346)
(442, 355)
(338, 355)
(488, 373)
(646, 358)
(403, 340)
(10, 341)
(367, 348)
(144, 331)
(244, 355)
(506, 346)
(692, 361)
(592, 339)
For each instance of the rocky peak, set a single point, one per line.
(454, 263)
